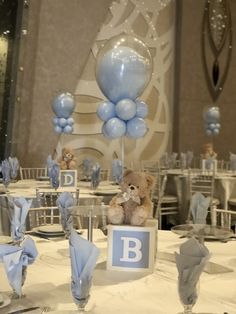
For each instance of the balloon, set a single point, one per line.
(142, 109)
(216, 131)
(218, 125)
(115, 128)
(62, 122)
(208, 132)
(68, 129)
(104, 132)
(126, 109)
(70, 121)
(106, 110)
(58, 129)
(211, 126)
(63, 105)
(123, 68)
(136, 127)
(211, 114)
(55, 121)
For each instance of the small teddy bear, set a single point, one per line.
(133, 205)
(68, 160)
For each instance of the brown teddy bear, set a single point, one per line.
(68, 160)
(133, 205)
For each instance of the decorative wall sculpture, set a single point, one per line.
(152, 21)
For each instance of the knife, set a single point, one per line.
(24, 310)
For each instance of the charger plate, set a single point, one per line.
(49, 230)
(5, 239)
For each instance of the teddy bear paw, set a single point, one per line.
(116, 215)
(139, 216)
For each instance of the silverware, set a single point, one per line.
(25, 310)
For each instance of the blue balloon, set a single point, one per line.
(142, 109)
(126, 109)
(63, 105)
(211, 126)
(216, 131)
(104, 131)
(122, 72)
(212, 115)
(68, 129)
(218, 125)
(58, 129)
(115, 128)
(136, 127)
(208, 132)
(70, 121)
(55, 121)
(106, 110)
(62, 122)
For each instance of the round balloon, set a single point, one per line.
(106, 110)
(68, 129)
(136, 127)
(58, 129)
(208, 132)
(55, 121)
(63, 105)
(62, 122)
(126, 109)
(115, 128)
(142, 109)
(123, 68)
(211, 114)
(70, 121)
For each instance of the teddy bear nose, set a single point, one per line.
(132, 187)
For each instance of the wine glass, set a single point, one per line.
(188, 297)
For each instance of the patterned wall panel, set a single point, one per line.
(152, 21)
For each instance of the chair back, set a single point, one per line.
(32, 173)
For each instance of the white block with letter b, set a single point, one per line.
(132, 248)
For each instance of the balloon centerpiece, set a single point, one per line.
(123, 70)
(63, 106)
(211, 116)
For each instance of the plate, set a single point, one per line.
(6, 300)
(200, 230)
(56, 228)
(5, 239)
(48, 235)
(43, 178)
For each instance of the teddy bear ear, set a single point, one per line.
(150, 180)
(127, 172)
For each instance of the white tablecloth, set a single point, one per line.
(113, 292)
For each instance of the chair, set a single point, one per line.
(105, 174)
(163, 204)
(32, 173)
(149, 165)
(204, 183)
(225, 217)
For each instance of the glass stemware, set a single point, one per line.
(191, 300)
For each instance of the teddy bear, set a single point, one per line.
(68, 160)
(133, 205)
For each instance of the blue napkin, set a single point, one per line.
(87, 168)
(84, 255)
(16, 259)
(199, 206)
(164, 160)
(232, 159)
(190, 263)
(54, 175)
(183, 160)
(117, 170)
(14, 166)
(172, 160)
(95, 176)
(6, 172)
(208, 163)
(189, 159)
(19, 207)
(64, 201)
(50, 163)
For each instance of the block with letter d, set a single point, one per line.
(68, 179)
(132, 248)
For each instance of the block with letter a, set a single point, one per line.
(132, 248)
(68, 179)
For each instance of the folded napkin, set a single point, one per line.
(54, 175)
(19, 210)
(64, 201)
(183, 160)
(95, 176)
(84, 255)
(232, 159)
(209, 163)
(86, 168)
(198, 207)
(190, 263)
(6, 172)
(189, 159)
(50, 163)
(117, 170)
(164, 160)
(14, 166)
(172, 160)
(16, 259)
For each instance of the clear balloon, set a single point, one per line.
(58, 129)
(123, 68)
(63, 105)
(106, 110)
(70, 121)
(115, 128)
(68, 129)
(62, 122)
(136, 127)
(142, 109)
(126, 109)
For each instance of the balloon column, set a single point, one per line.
(212, 120)
(63, 106)
(123, 70)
